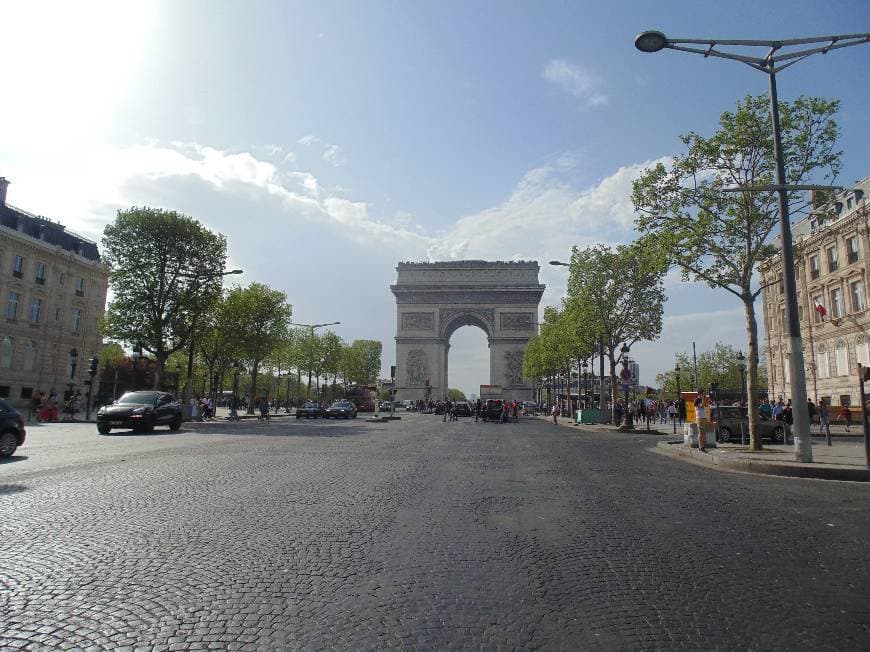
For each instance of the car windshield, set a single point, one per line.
(341, 404)
(310, 404)
(138, 397)
(4, 406)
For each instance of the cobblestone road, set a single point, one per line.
(417, 534)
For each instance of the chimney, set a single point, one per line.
(4, 184)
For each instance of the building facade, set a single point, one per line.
(52, 295)
(831, 249)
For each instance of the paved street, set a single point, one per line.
(418, 534)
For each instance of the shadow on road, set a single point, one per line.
(12, 488)
(13, 459)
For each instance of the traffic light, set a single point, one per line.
(92, 365)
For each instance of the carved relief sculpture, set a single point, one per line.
(418, 321)
(517, 321)
(514, 367)
(416, 366)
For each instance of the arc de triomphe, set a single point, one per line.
(434, 299)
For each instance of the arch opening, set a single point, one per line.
(468, 360)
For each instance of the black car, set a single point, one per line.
(463, 409)
(11, 429)
(493, 409)
(309, 410)
(140, 411)
(341, 410)
(386, 406)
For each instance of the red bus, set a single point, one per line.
(363, 396)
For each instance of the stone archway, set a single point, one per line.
(434, 299)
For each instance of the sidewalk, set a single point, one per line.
(844, 460)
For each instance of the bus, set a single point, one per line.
(363, 396)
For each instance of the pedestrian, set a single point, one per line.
(672, 412)
(476, 410)
(824, 423)
(702, 415)
(264, 409)
(556, 412)
(845, 415)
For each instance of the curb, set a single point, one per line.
(719, 460)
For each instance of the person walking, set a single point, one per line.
(556, 412)
(845, 415)
(824, 422)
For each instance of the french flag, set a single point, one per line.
(820, 309)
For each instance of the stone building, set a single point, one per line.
(52, 294)
(831, 248)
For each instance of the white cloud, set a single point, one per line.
(308, 139)
(290, 157)
(334, 155)
(575, 80)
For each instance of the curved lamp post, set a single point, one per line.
(780, 55)
(627, 421)
(312, 327)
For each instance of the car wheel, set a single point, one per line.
(8, 444)
(725, 434)
(777, 434)
(298, 416)
(103, 430)
(175, 424)
(353, 417)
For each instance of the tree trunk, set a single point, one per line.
(752, 372)
(255, 369)
(159, 366)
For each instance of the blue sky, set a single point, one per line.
(329, 140)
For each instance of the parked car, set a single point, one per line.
(12, 431)
(439, 407)
(309, 410)
(493, 409)
(140, 411)
(409, 405)
(341, 410)
(734, 416)
(530, 408)
(463, 409)
(386, 406)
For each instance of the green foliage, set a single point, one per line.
(720, 238)
(361, 362)
(111, 355)
(165, 269)
(456, 394)
(719, 365)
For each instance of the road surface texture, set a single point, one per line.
(417, 534)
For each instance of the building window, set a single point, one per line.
(36, 311)
(842, 359)
(817, 316)
(815, 270)
(4, 391)
(852, 249)
(845, 400)
(57, 314)
(801, 312)
(12, 305)
(29, 356)
(6, 348)
(76, 319)
(849, 203)
(62, 278)
(80, 287)
(73, 363)
(833, 259)
(26, 392)
(856, 291)
(822, 361)
(40, 274)
(18, 267)
(836, 303)
(862, 351)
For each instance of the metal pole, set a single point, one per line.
(695, 361)
(865, 414)
(802, 442)
(189, 384)
(602, 402)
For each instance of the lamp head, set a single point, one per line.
(651, 41)
(559, 263)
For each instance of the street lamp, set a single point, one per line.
(741, 365)
(312, 327)
(189, 382)
(627, 422)
(585, 366)
(177, 377)
(654, 41)
(679, 414)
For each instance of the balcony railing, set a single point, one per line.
(853, 257)
(17, 274)
(40, 281)
(80, 293)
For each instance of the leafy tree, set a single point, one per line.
(719, 238)
(165, 270)
(456, 394)
(257, 319)
(719, 365)
(331, 348)
(618, 294)
(361, 362)
(111, 355)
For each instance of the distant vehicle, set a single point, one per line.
(309, 410)
(439, 407)
(362, 396)
(386, 406)
(463, 409)
(493, 409)
(140, 411)
(409, 405)
(12, 431)
(343, 409)
(530, 407)
(733, 417)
